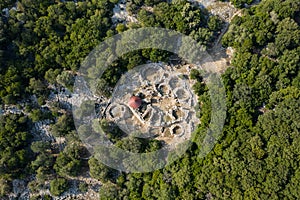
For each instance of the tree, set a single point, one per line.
(113, 132)
(43, 160)
(34, 186)
(241, 3)
(58, 186)
(131, 144)
(69, 161)
(83, 187)
(199, 88)
(38, 115)
(66, 79)
(287, 34)
(120, 28)
(5, 187)
(195, 75)
(100, 171)
(14, 140)
(63, 125)
(51, 75)
(40, 146)
(65, 166)
(36, 86)
(42, 174)
(108, 191)
(101, 87)
(214, 23)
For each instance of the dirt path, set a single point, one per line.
(221, 55)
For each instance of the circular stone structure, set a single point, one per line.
(93, 67)
(169, 103)
(177, 130)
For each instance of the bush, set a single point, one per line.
(34, 187)
(83, 187)
(5, 187)
(58, 186)
(109, 191)
(195, 75)
(100, 171)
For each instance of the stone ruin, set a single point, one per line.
(167, 111)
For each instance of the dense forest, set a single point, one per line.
(258, 154)
(42, 44)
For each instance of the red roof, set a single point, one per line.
(135, 102)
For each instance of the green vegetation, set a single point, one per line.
(257, 157)
(183, 17)
(63, 126)
(5, 187)
(58, 186)
(41, 43)
(68, 162)
(241, 3)
(100, 171)
(14, 143)
(44, 39)
(83, 187)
